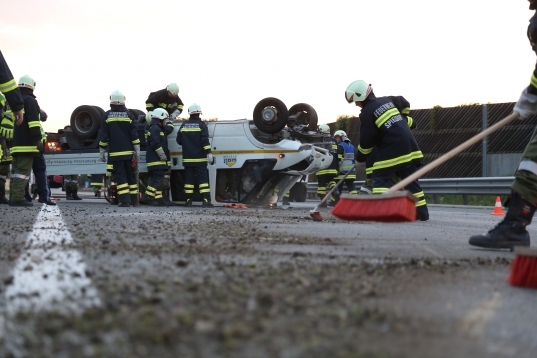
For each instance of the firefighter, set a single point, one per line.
(96, 182)
(6, 134)
(39, 167)
(382, 125)
(193, 136)
(345, 155)
(156, 157)
(27, 141)
(168, 99)
(9, 88)
(511, 231)
(120, 137)
(326, 177)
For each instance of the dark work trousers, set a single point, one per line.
(324, 184)
(382, 183)
(40, 171)
(126, 181)
(199, 173)
(350, 186)
(156, 184)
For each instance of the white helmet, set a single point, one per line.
(340, 133)
(160, 113)
(324, 128)
(117, 97)
(194, 108)
(173, 88)
(357, 91)
(27, 81)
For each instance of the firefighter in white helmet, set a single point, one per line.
(345, 157)
(156, 157)
(383, 126)
(169, 100)
(119, 136)
(326, 177)
(193, 136)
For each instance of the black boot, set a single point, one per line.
(207, 203)
(135, 200)
(511, 231)
(74, 194)
(3, 199)
(188, 202)
(285, 201)
(68, 193)
(166, 198)
(422, 213)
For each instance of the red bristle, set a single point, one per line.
(385, 209)
(524, 272)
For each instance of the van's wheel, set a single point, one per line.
(270, 115)
(85, 121)
(137, 113)
(100, 110)
(306, 115)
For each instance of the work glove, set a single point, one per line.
(137, 151)
(161, 154)
(102, 153)
(148, 117)
(175, 114)
(526, 105)
(6, 126)
(210, 158)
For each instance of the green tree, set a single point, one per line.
(343, 122)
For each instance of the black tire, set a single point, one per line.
(136, 113)
(100, 110)
(270, 115)
(86, 121)
(300, 190)
(308, 117)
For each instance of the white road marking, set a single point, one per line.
(475, 321)
(48, 275)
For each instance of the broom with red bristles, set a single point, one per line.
(394, 206)
(524, 268)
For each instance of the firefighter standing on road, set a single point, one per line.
(512, 230)
(167, 99)
(326, 177)
(382, 125)
(156, 157)
(27, 141)
(345, 155)
(120, 137)
(193, 136)
(6, 134)
(9, 88)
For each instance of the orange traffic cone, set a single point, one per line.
(498, 211)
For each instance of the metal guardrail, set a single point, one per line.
(457, 186)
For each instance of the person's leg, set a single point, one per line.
(20, 174)
(133, 183)
(74, 187)
(511, 231)
(203, 185)
(4, 174)
(350, 186)
(331, 184)
(190, 175)
(422, 212)
(322, 183)
(40, 171)
(123, 193)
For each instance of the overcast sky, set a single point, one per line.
(228, 55)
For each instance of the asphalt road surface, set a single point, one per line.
(87, 279)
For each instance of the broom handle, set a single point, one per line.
(452, 153)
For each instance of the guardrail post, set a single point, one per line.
(465, 199)
(484, 142)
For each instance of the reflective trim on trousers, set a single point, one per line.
(529, 166)
(20, 176)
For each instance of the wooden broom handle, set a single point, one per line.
(452, 153)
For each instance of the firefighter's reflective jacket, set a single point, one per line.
(27, 135)
(193, 136)
(383, 125)
(8, 86)
(156, 139)
(118, 133)
(334, 166)
(160, 99)
(346, 159)
(5, 144)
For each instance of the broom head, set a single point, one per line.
(393, 207)
(524, 268)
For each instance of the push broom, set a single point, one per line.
(315, 214)
(395, 205)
